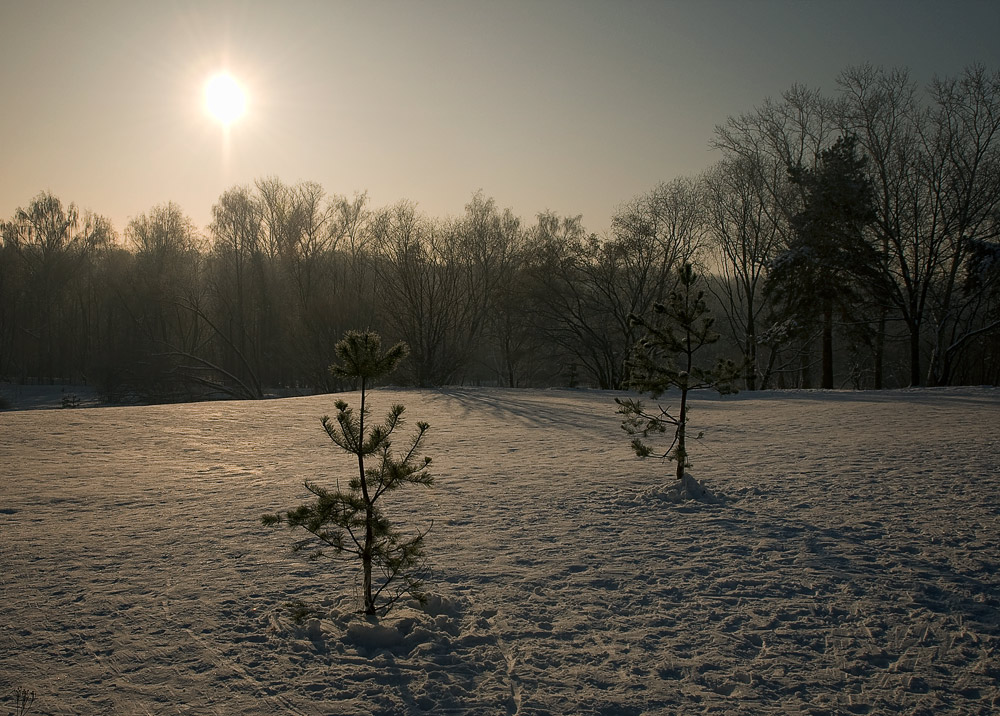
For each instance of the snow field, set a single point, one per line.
(852, 568)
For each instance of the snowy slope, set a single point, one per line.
(852, 569)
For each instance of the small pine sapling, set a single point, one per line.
(352, 521)
(665, 359)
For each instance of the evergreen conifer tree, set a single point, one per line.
(665, 360)
(830, 263)
(351, 520)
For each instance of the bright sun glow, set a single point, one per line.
(224, 98)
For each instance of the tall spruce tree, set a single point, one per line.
(351, 520)
(665, 360)
(829, 265)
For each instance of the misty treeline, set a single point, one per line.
(848, 240)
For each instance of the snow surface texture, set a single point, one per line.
(851, 566)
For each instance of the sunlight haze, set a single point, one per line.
(570, 106)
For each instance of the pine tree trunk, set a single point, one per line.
(681, 451)
(366, 561)
(366, 550)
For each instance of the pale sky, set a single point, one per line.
(570, 105)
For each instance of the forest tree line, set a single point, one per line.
(846, 240)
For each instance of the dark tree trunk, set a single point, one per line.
(879, 378)
(681, 453)
(751, 350)
(915, 377)
(827, 344)
(366, 550)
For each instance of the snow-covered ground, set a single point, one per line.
(854, 567)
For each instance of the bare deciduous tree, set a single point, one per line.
(52, 244)
(590, 287)
(936, 178)
(744, 236)
(779, 134)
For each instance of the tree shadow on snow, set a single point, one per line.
(534, 407)
(864, 561)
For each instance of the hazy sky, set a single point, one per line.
(568, 105)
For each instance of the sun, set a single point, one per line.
(224, 98)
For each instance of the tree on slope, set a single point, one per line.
(352, 520)
(665, 360)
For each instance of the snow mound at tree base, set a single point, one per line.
(410, 626)
(446, 655)
(686, 489)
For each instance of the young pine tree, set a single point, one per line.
(665, 360)
(351, 521)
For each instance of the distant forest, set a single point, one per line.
(846, 241)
